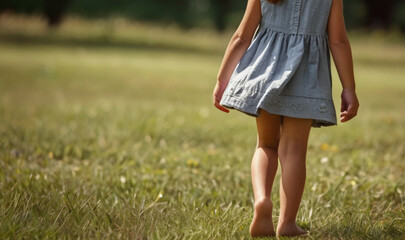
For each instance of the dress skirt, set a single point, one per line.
(284, 74)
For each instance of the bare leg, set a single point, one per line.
(264, 168)
(292, 154)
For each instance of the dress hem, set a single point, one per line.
(323, 113)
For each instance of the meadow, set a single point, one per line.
(107, 131)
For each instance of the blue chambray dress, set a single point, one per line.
(286, 69)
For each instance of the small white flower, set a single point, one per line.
(353, 183)
(324, 160)
(123, 179)
(314, 187)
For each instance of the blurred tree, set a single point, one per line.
(221, 9)
(18, 6)
(180, 12)
(54, 11)
(190, 13)
(379, 13)
(399, 16)
(355, 12)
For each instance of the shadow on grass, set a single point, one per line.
(104, 41)
(390, 231)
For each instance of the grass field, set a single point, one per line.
(107, 132)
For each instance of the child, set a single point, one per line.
(283, 78)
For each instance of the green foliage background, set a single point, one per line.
(187, 13)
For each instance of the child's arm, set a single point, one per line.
(236, 48)
(342, 56)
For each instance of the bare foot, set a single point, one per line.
(262, 223)
(290, 230)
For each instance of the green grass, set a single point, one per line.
(107, 131)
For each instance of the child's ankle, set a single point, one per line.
(264, 205)
(286, 221)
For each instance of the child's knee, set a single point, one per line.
(292, 147)
(268, 148)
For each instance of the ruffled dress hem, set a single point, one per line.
(299, 107)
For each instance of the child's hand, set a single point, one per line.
(350, 105)
(217, 95)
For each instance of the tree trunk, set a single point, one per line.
(54, 11)
(221, 9)
(379, 13)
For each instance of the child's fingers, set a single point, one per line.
(216, 101)
(344, 117)
(221, 108)
(349, 114)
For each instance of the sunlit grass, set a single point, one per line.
(107, 131)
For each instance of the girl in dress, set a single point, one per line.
(277, 69)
